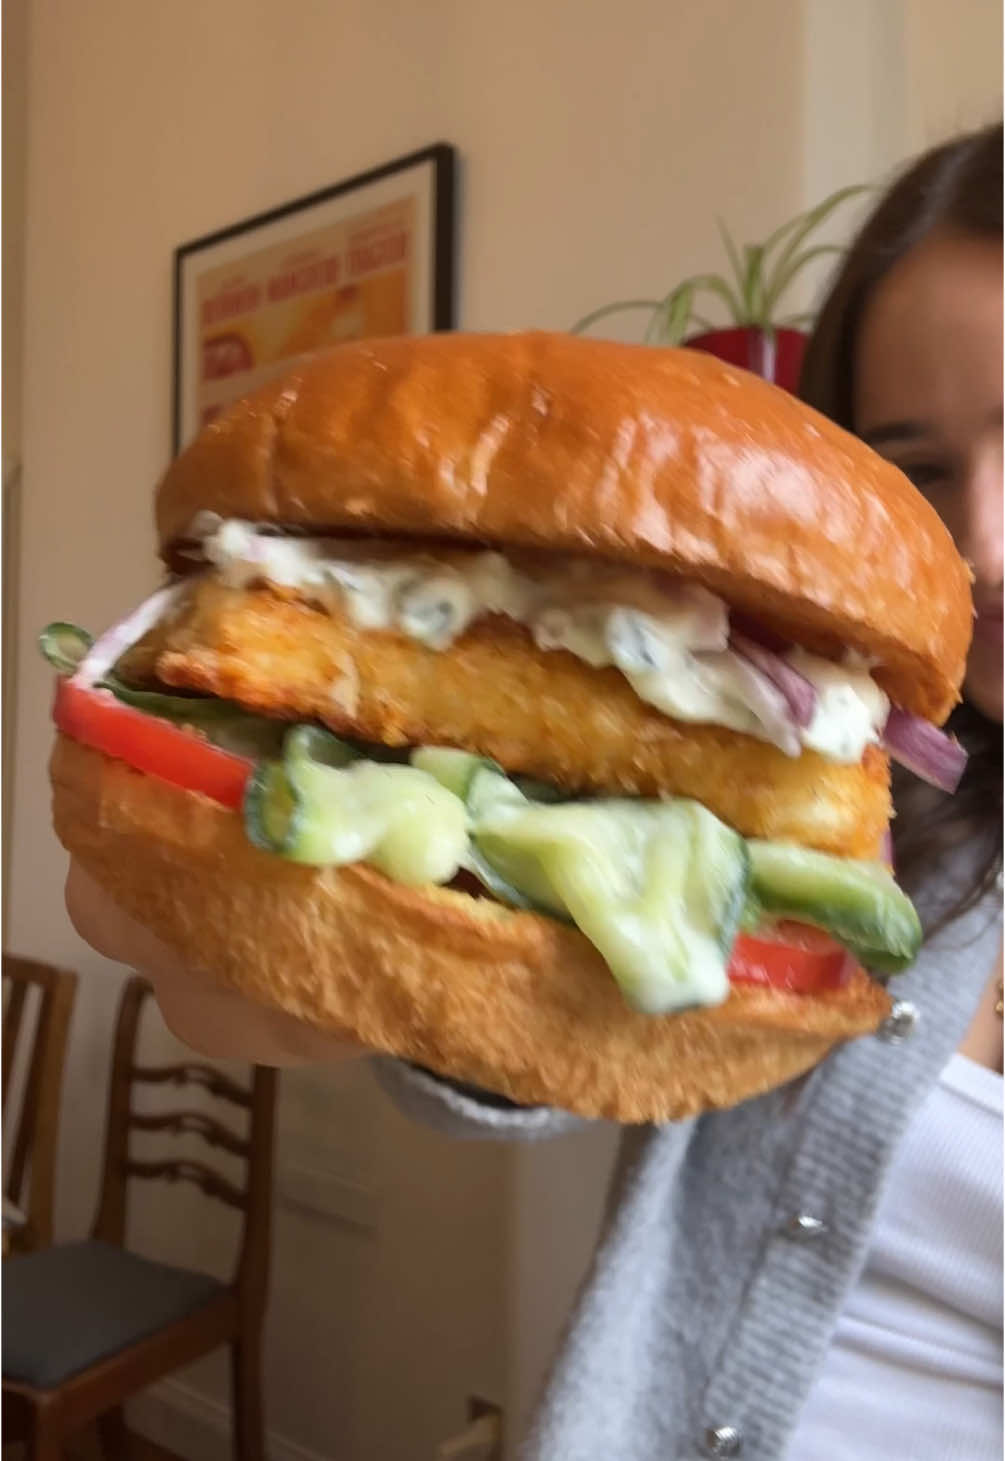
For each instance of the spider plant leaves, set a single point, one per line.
(670, 320)
(784, 275)
(717, 285)
(801, 227)
(732, 252)
(753, 284)
(761, 275)
(613, 309)
(679, 314)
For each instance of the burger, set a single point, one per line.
(522, 706)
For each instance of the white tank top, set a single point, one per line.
(914, 1370)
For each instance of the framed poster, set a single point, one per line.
(370, 256)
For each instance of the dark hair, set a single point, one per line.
(955, 187)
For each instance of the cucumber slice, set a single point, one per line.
(751, 915)
(657, 887)
(521, 867)
(64, 646)
(456, 770)
(271, 809)
(718, 874)
(491, 789)
(541, 791)
(858, 903)
(451, 768)
(500, 889)
(324, 806)
(310, 743)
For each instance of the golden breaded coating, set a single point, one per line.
(540, 713)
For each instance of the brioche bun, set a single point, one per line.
(665, 458)
(511, 1001)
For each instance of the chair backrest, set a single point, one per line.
(38, 1002)
(252, 1199)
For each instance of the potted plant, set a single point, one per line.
(757, 337)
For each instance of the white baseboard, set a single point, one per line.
(198, 1428)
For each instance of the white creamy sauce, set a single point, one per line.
(669, 640)
(851, 709)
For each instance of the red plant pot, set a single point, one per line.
(777, 355)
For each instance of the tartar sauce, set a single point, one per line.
(670, 640)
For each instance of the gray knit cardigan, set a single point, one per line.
(732, 1239)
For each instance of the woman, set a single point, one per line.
(814, 1273)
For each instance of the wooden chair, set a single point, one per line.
(86, 1325)
(31, 1117)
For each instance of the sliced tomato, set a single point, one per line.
(97, 719)
(794, 957)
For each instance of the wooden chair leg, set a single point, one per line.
(113, 1435)
(246, 1393)
(45, 1435)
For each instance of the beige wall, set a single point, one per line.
(15, 117)
(598, 143)
(954, 62)
(15, 120)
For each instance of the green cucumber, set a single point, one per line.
(541, 791)
(325, 806)
(522, 868)
(490, 792)
(752, 915)
(456, 771)
(272, 810)
(657, 887)
(64, 646)
(504, 891)
(451, 768)
(311, 743)
(858, 903)
(718, 874)
(491, 788)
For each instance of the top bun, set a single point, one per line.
(663, 458)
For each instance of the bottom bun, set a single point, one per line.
(516, 1003)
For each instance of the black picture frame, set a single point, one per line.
(430, 171)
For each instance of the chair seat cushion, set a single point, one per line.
(66, 1307)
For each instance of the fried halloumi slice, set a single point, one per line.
(540, 713)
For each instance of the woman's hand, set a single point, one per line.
(204, 1015)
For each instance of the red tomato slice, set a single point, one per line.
(97, 719)
(797, 958)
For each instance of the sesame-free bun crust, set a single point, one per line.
(668, 458)
(515, 1003)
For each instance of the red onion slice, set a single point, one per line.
(758, 694)
(924, 749)
(799, 692)
(112, 645)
